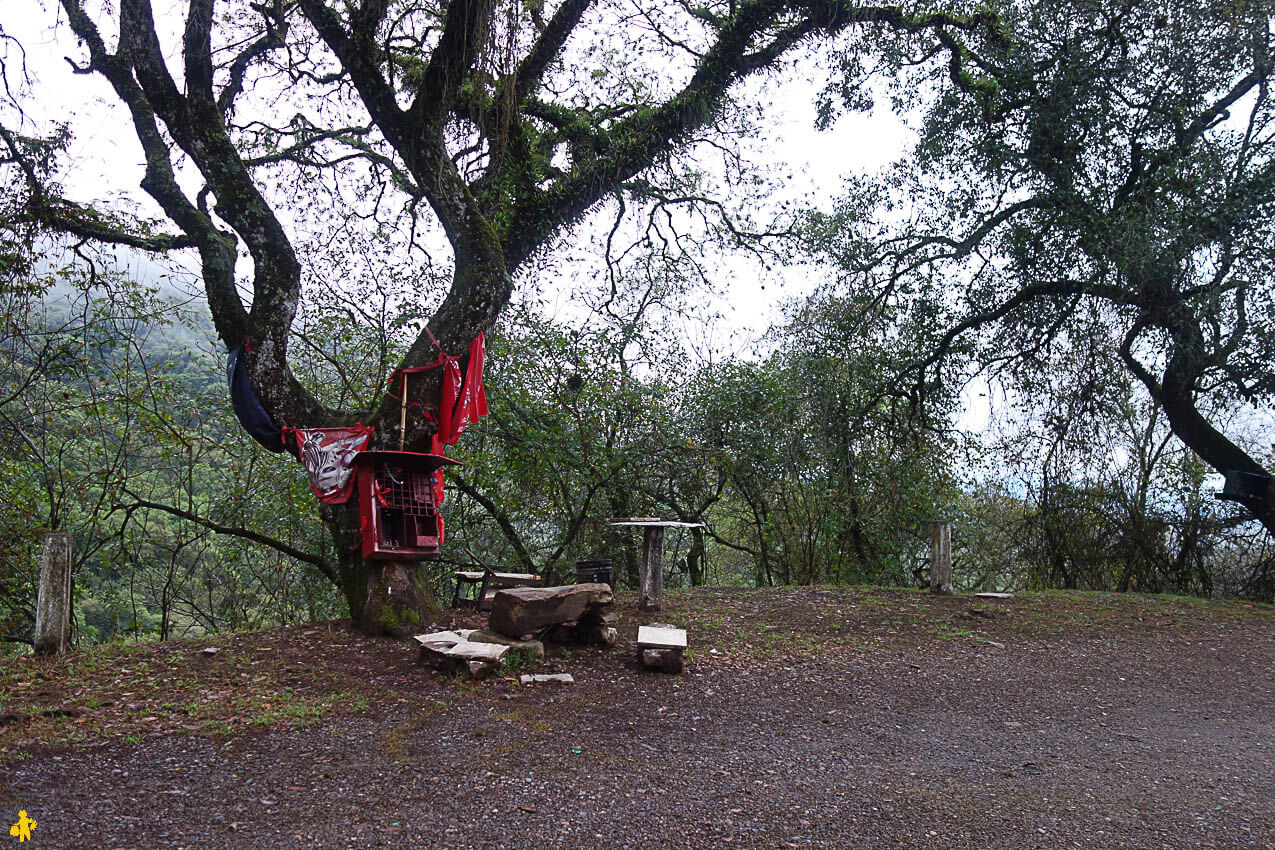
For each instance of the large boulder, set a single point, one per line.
(526, 610)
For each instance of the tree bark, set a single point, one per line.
(384, 597)
(1175, 393)
(695, 557)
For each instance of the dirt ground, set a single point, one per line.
(813, 717)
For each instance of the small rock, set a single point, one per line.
(210, 650)
(545, 678)
(481, 669)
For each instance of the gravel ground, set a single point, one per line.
(1111, 735)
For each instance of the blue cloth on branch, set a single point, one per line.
(252, 416)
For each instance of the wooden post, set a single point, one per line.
(402, 414)
(941, 558)
(652, 578)
(53, 603)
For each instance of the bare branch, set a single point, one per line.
(324, 566)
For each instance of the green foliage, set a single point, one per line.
(802, 465)
(1088, 213)
(107, 401)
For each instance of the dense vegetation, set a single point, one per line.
(1083, 229)
(114, 408)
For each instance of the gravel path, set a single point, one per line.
(1116, 738)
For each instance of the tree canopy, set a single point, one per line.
(1105, 170)
(362, 185)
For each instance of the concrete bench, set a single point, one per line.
(660, 647)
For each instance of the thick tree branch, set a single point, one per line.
(635, 142)
(305, 557)
(217, 249)
(64, 216)
(548, 47)
(276, 30)
(195, 123)
(465, 29)
(501, 519)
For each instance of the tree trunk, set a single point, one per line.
(695, 558)
(384, 597)
(1176, 396)
(621, 505)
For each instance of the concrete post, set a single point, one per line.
(53, 604)
(941, 558)
(652, 579)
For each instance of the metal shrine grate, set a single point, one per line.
(407, 491)
(398, 507)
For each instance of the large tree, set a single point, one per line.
(509, 121)
(1106, 159)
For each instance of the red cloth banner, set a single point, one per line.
(463, 400)
(328, 457)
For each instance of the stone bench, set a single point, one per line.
(660, 647)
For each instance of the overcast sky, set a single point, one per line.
(105, 159)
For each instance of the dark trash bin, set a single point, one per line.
(594, 571)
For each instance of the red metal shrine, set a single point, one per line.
(397, 504)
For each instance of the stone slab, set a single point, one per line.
(471, 651)
(546, 678)
(436, 638)
(661, 637)
(525, 610)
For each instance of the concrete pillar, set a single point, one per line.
(652, 578)
(53, 604)
(941, 558)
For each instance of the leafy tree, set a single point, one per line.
(506, 122)
(812, 463)
(1106, 169)
(566, 427)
